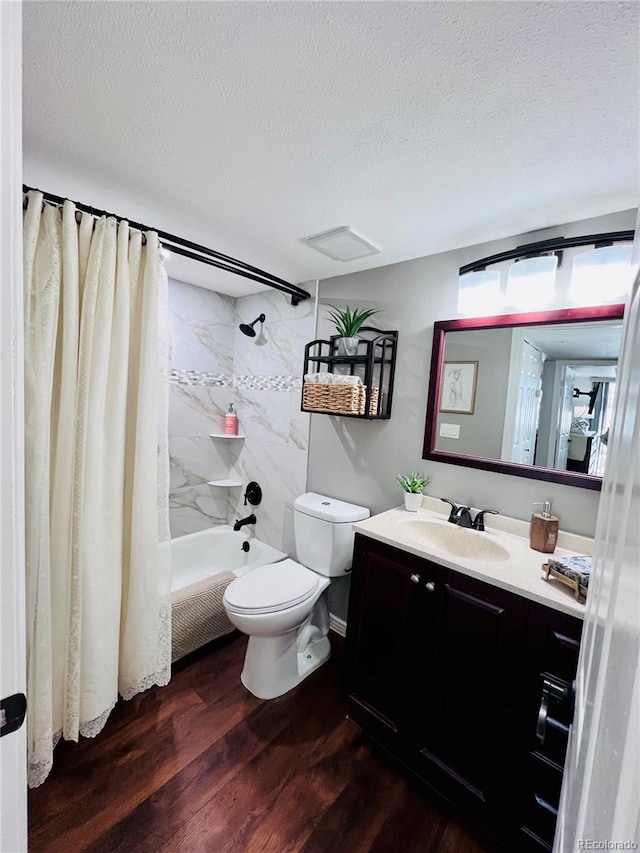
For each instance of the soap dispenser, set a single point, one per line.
(231, 422)
(543, 533)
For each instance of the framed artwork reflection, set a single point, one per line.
(458, 393)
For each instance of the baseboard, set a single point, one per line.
(337, 625)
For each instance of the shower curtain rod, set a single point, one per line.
(194, 251)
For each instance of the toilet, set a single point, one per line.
(283, 606)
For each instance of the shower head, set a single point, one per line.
(247, 328)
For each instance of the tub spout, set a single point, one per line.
(250, 519)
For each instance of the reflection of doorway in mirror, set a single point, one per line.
(529, 405)
(521, 423)
(602, 424)
(593, 398)
(565, 417)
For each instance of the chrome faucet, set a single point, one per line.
(250, 519)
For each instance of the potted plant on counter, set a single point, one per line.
(413, 484)
(348, 324)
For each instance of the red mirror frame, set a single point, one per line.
(533, 472)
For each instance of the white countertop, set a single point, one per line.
(518, 572)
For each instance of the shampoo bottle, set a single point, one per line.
(543, 533)
(231, 422)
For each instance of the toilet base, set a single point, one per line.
(273, 665)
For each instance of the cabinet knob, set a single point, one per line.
(415, 578)
(430, 587)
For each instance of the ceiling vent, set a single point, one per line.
(342, 244)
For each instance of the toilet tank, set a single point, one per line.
(323, 532)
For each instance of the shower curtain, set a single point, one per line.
(96, 471)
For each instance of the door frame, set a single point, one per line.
(558, 395)
(13, 762)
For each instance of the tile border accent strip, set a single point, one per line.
(267, 383)
(200, 377)
(249, 382)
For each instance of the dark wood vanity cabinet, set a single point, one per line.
(552, 647)
(447, 673)
(467, 700)
(393, 619)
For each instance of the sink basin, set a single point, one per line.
(457, 541)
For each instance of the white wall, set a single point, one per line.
(357, 460)
(480, 432)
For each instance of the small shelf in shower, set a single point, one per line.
(223, 435)
(224, 484)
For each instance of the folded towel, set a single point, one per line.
(331, 379)
(576, 568)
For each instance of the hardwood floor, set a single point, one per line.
(202, 766)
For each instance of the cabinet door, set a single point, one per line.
(550, 663)
(469, 701)
(384, 654)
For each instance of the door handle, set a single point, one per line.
(12, 711)
(550, 690)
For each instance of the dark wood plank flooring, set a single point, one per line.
(202, 765)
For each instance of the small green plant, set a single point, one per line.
(348, 322)
(413, 483)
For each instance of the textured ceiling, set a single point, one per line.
(248, 126)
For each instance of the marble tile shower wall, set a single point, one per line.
(268, 382)
(214, 364)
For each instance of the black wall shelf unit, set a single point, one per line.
(375, 364)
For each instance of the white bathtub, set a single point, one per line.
(197, 556)
(197, 610)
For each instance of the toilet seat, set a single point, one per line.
(271, 588)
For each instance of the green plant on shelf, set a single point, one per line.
(413, 483)
(348, 323)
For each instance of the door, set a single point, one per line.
(600, 790)
(565, 416)
(522, 408)
(13, 788)
(528, 407)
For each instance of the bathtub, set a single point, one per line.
(197, 556)
(203, 564)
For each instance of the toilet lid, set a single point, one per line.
(270, 588)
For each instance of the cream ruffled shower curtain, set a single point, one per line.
(97, 468)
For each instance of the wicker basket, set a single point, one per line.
(338, 399)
